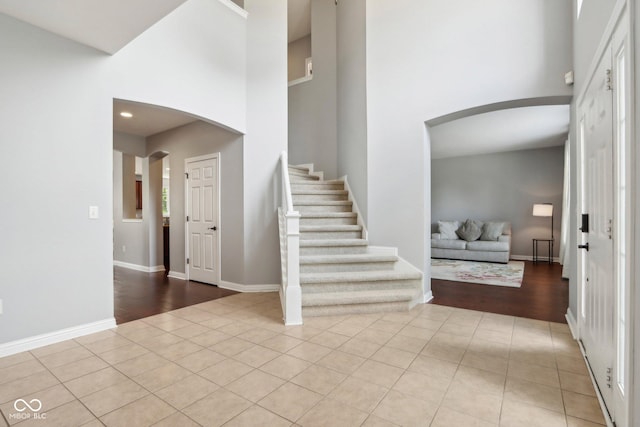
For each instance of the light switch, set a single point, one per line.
(93, 212)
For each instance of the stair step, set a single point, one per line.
(306, 206)
(333, 246)
(317, 185)
(320, 232)
(335, 310)
(313, 192)
(359, 297)
(302, 178)
(327, 195)
(346, 262)
(298, 168)
(297, 172)
(328, 218)
(359, 277)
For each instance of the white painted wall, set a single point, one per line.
(428, 59)
(266, 137)
(312, 104)
(298, 51)
(57, 138)
(352, 97)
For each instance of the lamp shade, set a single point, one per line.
(543, 209)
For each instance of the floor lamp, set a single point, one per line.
(544, 209)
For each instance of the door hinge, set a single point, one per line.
(608, 82)
(187, 218)
(609, 377)
(186, 174)
(187, 261)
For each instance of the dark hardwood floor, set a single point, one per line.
(544, 295)
(138, 294)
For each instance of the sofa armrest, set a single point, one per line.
(504, 238)
(435, 236)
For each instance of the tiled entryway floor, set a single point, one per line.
(231, 362)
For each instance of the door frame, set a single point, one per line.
(218, 260)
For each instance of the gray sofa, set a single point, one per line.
(447, 245)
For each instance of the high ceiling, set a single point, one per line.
(299, 19)
(502, 130)
(147, 119)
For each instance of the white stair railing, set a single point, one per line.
(289, 227)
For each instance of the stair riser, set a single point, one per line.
(334, 310)
(301, 198)
(322, 208)
(316, 186)
(380, 285)
(328, 221)
(303, 178)
(333, 250)
(344, 267)
(298, 171)
(324, 235)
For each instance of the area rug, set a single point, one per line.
(483, 273)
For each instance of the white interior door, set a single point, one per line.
(597, 314)
(203, 213)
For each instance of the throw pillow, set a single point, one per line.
(447, 229)
(492, 230)
(471, 230)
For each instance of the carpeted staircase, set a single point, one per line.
(339, 272)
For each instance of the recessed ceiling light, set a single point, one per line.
(126, 114)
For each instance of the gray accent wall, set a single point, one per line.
(502, 186)
(197, 139)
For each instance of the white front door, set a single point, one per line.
(203, 213)
(597, 308)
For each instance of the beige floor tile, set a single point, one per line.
(524, 323)
(478, 379)
(256, 356)
(566, 345)
(577, 383)
(359, 347)
(210, 338)
(405, 410)
(405, 343)
(15, 359)
(416, 332)
(387, 326)
(139, 365)
(20, 370)
(257, 335)
(422, 387)
(111, 398)
(142, 332)
(176, 419)
(324, 322)
(473, 402)
(54, 348)
(186, 391)
(255, 385)
(498, 336)
(485, 361)
(433, 367)
(64, 357)
(226, 371)
(172, 324)
(492, 348)
(190, 331)
(256, 416)
(341, 362)
(285, 366)
(200, 360)
(359, 394)
(446, 417)
(534, 394)
(290, 401)
(179, 350)
(581, 406)
(107, 344)
(533, 354)
(161, 377)
(451, 340)
(95, 381)
(302, 332)
(347, 328)
(443, 352)
(534, 373)
(160, 342)
(123, 353)
(281, 343)
(27, 385)
(231, 347)
(378, 373)
(217, 408)
(319, 379)
(577, 422)
(332, 412)
(78, 368)
(142, 412)
(453, 328)
(329, 339)
(427, 323)
(375, 336)
(69, 414)
(374, 421)
(49, 398)
(517, 414)
(394, 357)
(192, 314)
(400, 316)
(575, 365)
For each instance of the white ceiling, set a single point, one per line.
(299, 19)
(147, 119)
(107, 25)
(503, 130)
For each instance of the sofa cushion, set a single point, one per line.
(471, 230)
(492, 230)
(481, 245)
(448, 229)
(448, 244)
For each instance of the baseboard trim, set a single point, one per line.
(428, 297)
(143, 268)
(573, 325)
(25, 344)
(248, 288)
(177, 275)
(530, 258)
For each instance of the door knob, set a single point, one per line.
(585, 246)
(213, 228)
